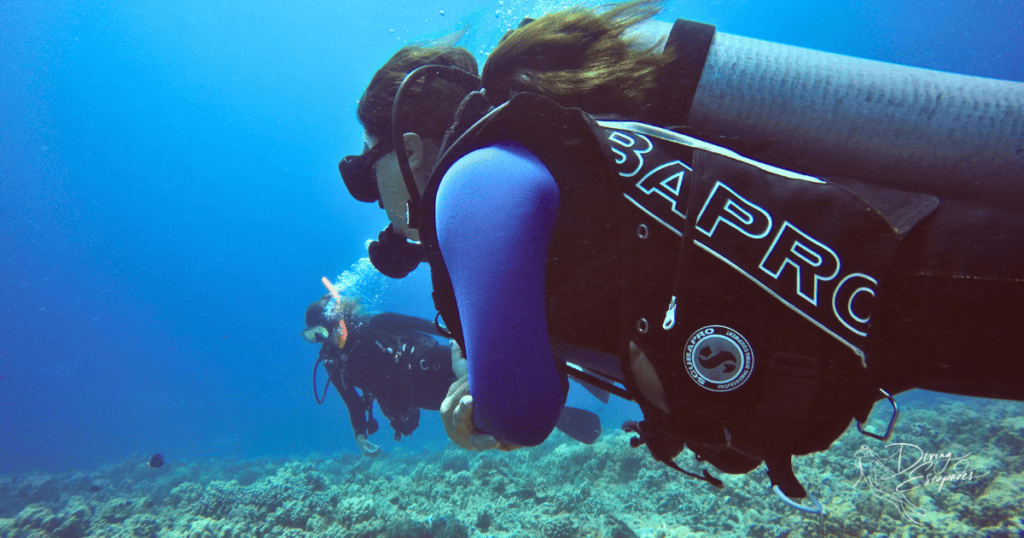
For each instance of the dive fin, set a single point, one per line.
(601, 395)
(580, 424)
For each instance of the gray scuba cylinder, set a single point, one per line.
(954, 136)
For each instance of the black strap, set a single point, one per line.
(642, 438)
(688, 43)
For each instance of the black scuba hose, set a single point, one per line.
(452, 74)
(320, 399)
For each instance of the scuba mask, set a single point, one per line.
(315, 335)
(360, 174)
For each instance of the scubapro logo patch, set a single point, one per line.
(718, 358)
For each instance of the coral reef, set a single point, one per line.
(952, 471)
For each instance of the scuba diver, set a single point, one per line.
(390, 358)
(759, 242)
(394, 359)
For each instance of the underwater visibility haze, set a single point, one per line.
(169, 201)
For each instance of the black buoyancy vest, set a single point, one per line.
(750, 292)
(747, 289)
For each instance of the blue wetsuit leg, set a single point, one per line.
(495, 213)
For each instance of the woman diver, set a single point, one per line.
(758, 241)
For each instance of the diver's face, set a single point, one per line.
(394, 197)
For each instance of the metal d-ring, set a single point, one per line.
(892, 420)
(641, 326)
(816, 509)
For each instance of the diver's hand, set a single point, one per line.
(457, 416)
(457, 412)
(367, 447)
(459, 363)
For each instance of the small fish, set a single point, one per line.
(156, 461)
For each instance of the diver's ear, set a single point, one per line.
(414, 150)
(421, 152)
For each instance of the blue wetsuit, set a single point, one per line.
(495, 213)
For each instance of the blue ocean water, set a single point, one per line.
(169, 200)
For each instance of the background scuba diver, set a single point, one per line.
(536, 265)
(389, 357)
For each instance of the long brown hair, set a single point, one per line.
(579, 58)
(435, 103)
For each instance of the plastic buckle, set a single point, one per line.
(892, 420)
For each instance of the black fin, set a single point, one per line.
(602, 395)
(580, 424)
